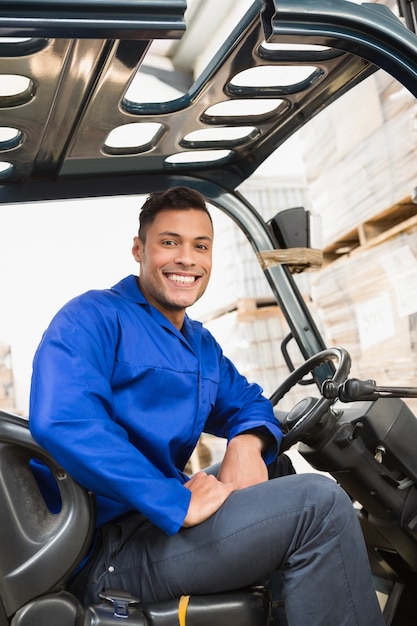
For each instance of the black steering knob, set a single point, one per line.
(297, 412)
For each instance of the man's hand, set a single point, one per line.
(243, 463)
(207, 496)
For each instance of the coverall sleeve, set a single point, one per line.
(241, 406)
(72, 416)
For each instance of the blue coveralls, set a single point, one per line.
(120, 398)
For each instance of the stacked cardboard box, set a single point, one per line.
(361, 169)
(359, 154)
(367, 303)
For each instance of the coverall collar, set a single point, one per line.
(190, 335)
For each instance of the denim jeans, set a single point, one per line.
(297, 531)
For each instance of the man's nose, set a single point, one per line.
(185, 255)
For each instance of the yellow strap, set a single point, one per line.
(182, 610)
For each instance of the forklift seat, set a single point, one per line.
(40, 549)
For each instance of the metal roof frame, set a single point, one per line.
(78, 86)
(76, 96)
(110, 19)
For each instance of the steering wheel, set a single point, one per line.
(307, 413)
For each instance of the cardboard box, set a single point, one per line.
(359, 154)
(367, 303)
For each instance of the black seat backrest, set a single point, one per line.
(38, 548)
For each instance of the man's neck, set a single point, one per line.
(176, 317)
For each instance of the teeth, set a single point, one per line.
(184, 280)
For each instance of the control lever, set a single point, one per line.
(354, 389)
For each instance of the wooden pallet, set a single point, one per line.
(399, 218)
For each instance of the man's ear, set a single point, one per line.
(137, 249)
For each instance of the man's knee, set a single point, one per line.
(326, 494)
(321, 491)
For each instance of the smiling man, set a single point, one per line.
(124, 383)
(174, 250)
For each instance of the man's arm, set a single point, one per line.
(242, 466)
(72, 415)
(208, 494)
(241, 409)
(243, 463)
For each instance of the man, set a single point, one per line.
(124, 383)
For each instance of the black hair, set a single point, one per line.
(169, 200)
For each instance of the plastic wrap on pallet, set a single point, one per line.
(367, 303)
(359, 154)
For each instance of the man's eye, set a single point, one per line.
(169, 242)
(202, 246)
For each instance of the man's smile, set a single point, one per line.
(181, 279)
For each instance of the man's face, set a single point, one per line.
(175, 260)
